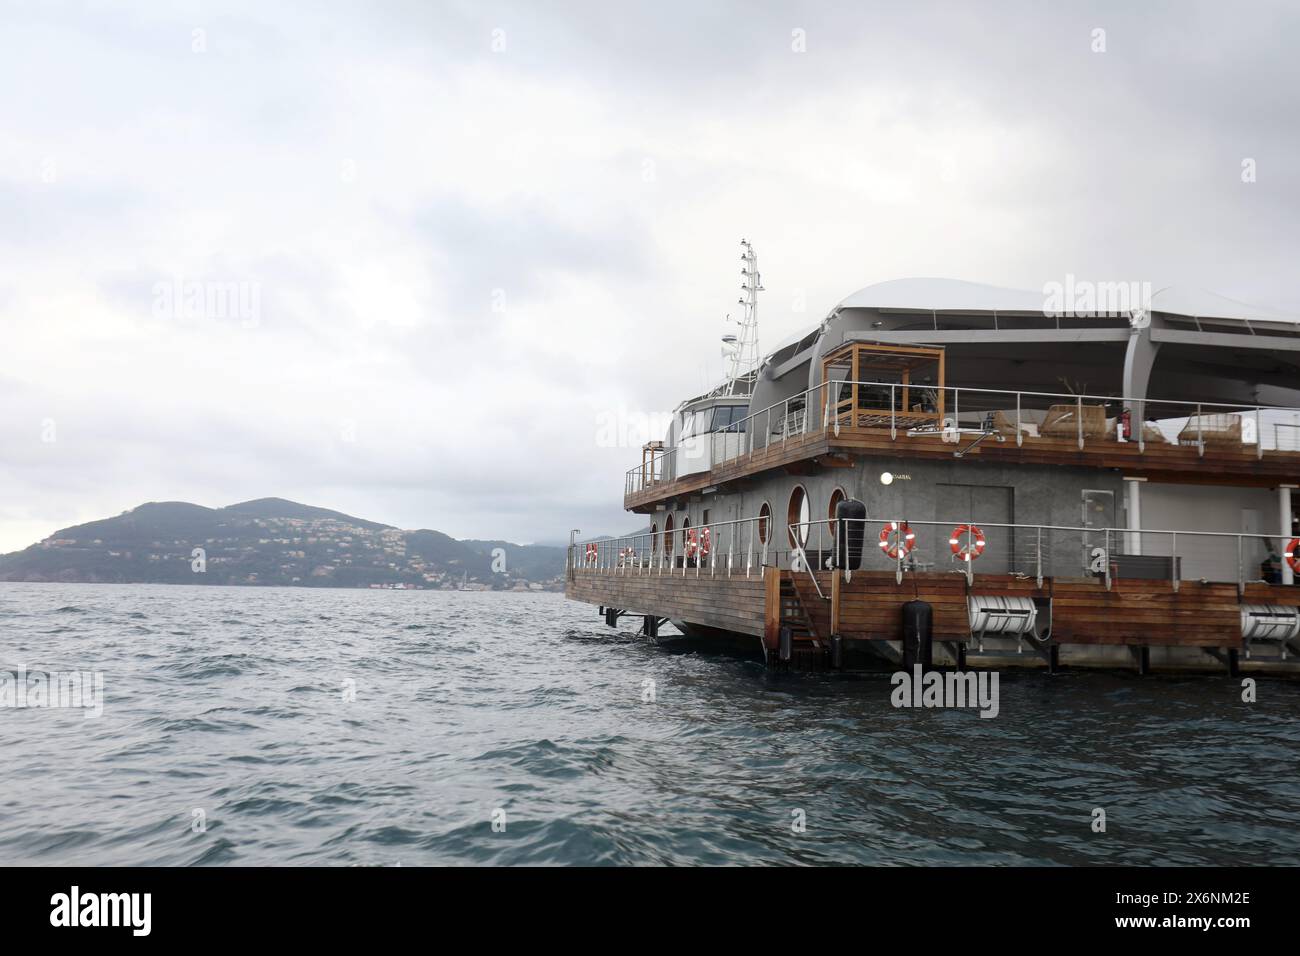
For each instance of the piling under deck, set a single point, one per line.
(1136, 624)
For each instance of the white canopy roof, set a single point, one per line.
(955, 295)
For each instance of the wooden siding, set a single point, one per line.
(1133, 611)
(734, 604)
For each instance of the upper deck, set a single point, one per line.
(825, 426)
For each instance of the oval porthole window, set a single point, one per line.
(764, 517)
(798, 517)
(668, 535)
(836, 497)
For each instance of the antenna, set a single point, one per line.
(743, 348)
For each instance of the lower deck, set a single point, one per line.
(1135, 623)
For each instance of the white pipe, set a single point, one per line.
(1133, 514)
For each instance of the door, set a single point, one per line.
(983, 505)
(1098, 511)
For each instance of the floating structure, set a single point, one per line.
(975, 476)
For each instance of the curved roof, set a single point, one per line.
(956, 295)
(942, 295)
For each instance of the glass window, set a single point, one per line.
(797, 517)
(836, 497)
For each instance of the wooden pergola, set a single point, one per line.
(893, 401)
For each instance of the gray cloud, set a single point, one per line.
(376, 174)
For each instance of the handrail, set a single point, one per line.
(1104, 534)
(741, 427)
(654, 552)
(829, 419)
(630, 554)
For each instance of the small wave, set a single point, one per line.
(221, 851)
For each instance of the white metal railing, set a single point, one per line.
(1034, 551)
(792, 417)
(739, 546)
(967, 416)
(1039, 551)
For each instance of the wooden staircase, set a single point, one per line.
(808, 618)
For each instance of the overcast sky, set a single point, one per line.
(470, 243)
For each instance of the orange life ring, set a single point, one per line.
(896, 538)
(975, 547)
(697, 542)
(1292, 555)
(593, 552)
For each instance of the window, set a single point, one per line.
(705, 518)
(836, 497)
(727, 417)
(797, 514)
(668, 535)
(654, 537)
(739, 414)
(697, 422)
(764, 516)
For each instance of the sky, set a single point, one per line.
(448, 265)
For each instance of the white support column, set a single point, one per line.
(1284, 522)
(1133, 514)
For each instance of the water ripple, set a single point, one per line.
(271, 726)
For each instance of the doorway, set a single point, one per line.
(985, 505)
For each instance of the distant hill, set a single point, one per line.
(271, 541)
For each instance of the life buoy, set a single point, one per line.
(697, 542)
(593, 552)
(1292, 555)
(974, 545)
(896, 538)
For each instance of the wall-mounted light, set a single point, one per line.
(886, 478)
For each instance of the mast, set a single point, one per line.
(743, 348)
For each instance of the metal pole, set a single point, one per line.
(1019, 437)
(1079, 419)
(1284, 524)
(1241, 571)
(1106, 548)
(1040, 556)
(837, 412)
(749, 550)
(1173, 558)
(893, 418)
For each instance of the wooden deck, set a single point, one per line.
(1133, 612)
(733, 604)
(1240, 465)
